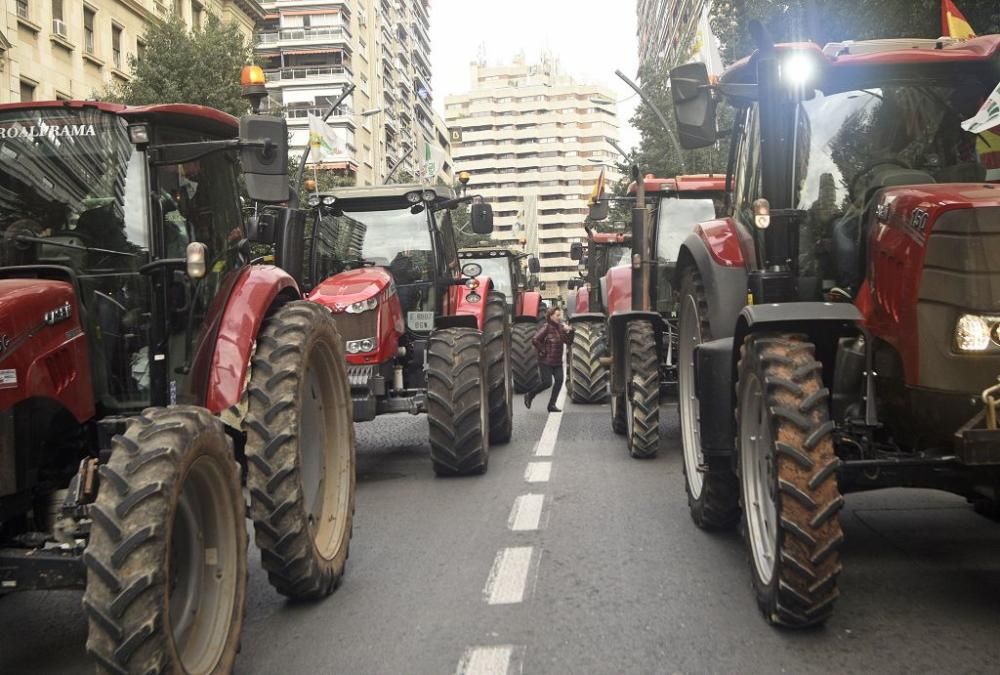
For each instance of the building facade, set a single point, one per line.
(311, 50)
(60, 49)
(535, 142)
(667, 29)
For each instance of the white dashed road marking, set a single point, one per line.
(509, 576)
(550, 433)
(538, 472)
(498, 660)
(527, 513)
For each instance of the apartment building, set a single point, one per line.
(535, 141)
(311, 50)
(62, 49)
(666, 29)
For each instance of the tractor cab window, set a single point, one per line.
(73, 195)
(852, 143)
(619, 256)
(497, 269)
(398, 239)
(198, 201)
(676, 219)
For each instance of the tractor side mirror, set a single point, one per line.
(265, 169)
(262, 227)
(598, 210)
(576, 251)
(541, 285)
(694, 106)
(533, 265)
(482, 218)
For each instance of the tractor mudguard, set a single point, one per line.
(253, 295)
(587, 316)
(531, 305)
(469, 306)
(715, 388)
(823, 322)
(724, 275)
(617, 325)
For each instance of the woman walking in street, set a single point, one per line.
(549, 341)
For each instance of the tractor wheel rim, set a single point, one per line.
(325, 448)
(202, 566)
(690, 408)
(756, 476)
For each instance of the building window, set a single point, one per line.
(22, 9)
(196, 12)
(88, 30)
(178, 10)
(57, 13)
(116, 46)
(140, 50)
(27, 91)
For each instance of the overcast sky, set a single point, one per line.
(590, 38)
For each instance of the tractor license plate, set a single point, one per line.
(423, 321)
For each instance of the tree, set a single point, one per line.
(181, 66)
(327, 180)
(824, 21)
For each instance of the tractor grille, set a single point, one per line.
(961, 273)
(357, 326)
(360, 376)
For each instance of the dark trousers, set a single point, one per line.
(552, 376)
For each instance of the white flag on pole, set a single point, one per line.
(988, 115)
(433, 160)
(325, 141)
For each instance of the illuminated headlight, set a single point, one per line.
(362, 306)
(473, 297)
(361, 346)
(798, 69)
(313, 200)
(973, 333)
(329, 200)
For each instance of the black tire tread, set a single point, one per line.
(295, 568)
(588, 379)
(455, 398)
(524, 359)
(496, 345)
(644, 389)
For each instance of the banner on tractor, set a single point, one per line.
(432, 162)
(598, 191)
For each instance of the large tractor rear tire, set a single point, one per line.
(457, 402)
(524, 359)
(713, 490)
(588, 378)
(300, 451)
(788, 479)
(167, 558)
(496, 343)
(642, 394)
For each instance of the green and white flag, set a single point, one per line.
(433, 160)
(988, 115)
(325, 141)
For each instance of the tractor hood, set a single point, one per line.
(25, 307)
(342, 290)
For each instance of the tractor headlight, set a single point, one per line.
(362, 306)
(361, 346)
(328, 200)
(973, 333)
(313, 200)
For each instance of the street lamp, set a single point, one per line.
(659, 115)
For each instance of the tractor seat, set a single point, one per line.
(850, 231)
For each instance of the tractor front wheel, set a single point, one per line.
(496, 343)
(588, 379)
(457, 402)
(524, 359)
(712, 489)
(300, 451)
(642, 394)
(788, 480)
(167, 557)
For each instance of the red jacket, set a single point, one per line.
(549, 341)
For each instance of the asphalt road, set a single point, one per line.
(598, 569)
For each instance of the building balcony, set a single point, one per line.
(296, 116)
(312, 74)
(302, 36)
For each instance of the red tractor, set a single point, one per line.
(839, 331)
(144, 360)
(639, 302)
(423, 334)
(524, 305)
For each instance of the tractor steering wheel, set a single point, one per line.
(868, 168)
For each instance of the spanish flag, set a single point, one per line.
(598, 191)
(953, 23)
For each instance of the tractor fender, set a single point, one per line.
(255, 292)
(468, 305)
(716, 362)
(531, 305)
(714, 250)
(590, 317)
(617, 325)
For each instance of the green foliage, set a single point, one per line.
(182, 66)
(824, 21)
(327, 180)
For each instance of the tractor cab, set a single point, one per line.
(507, 272)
